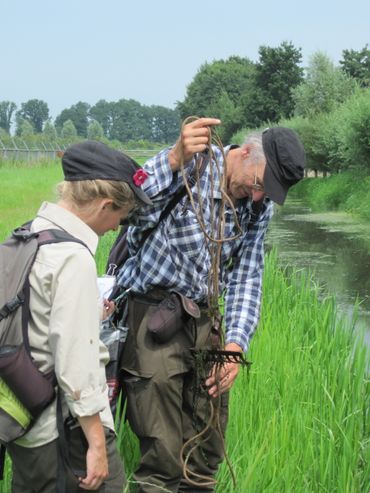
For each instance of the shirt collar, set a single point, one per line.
(217, 189)
(66, 220)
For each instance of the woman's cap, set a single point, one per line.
(285, 160)
(93, 160)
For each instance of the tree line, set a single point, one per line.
(124, 120)
(242, 93)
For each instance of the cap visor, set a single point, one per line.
(273, 188)
(141, 195)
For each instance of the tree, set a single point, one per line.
(277, 74)
(131, 121)
(95, 131)
(7, 109)
(78, 114)
(68, 130)
(25, 128)
(105, 113)
(324, 87)
(36, 112)
(222, 82)
(49, 131)
(165, 124)
(357, 65)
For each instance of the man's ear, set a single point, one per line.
(246, 150)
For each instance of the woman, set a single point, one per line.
(100, 189)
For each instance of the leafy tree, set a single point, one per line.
(95, 131)
(7, 109)
(165, 124)
(78, 114)
(131, 121)
(219, 90)
(25, 128)
(105, 113)
(49, 131)
(36, 112)
(68, 130)
(357, 65)
(277, 74)
(324, 87)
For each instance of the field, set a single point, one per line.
(299, 419)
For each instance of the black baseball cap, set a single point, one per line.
(285, 160)
(93, 160)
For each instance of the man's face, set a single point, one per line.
(246, 180)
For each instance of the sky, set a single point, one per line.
(67, 51)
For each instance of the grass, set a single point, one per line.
(299, 421)
(348, 191)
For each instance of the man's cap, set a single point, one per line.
(285, 160)
(93, 160)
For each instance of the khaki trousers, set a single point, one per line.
(162, 408)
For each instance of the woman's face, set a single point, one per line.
(108, 218)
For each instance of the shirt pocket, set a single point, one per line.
(185, 234)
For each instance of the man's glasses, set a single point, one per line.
(257, 186)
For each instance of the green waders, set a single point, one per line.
(158, 380)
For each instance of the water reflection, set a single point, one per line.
(333, 248)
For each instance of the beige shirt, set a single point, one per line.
(65, 323)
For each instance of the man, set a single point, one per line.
(159, 374)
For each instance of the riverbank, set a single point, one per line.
(347, 192)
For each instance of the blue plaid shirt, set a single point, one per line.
(175, 256)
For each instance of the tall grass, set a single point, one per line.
(299, 421)
(348, 191)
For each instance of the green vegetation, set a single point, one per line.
(348, 191)
(299, 420)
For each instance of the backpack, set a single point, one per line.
(24, 390)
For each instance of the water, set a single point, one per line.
(333, 247)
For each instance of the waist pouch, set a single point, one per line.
(169, 315)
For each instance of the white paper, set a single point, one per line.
(106, 285)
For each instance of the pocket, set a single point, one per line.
(166, 319)
(36, 391)
(140, 404)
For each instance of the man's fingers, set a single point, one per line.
(205, 122)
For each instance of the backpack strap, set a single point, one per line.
(44, 237)
(119, 252)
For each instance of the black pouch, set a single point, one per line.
(169, 315)
(76, 450)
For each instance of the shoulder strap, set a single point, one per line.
(176, 199)
(119, 252)
(44, 237)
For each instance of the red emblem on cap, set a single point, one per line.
(139, 177)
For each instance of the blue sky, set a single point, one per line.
(84, 50)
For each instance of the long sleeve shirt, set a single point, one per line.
(64, 323)
(176, 256)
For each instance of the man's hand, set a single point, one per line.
(193, 138)
(220, 380)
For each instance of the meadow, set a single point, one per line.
(299, 418)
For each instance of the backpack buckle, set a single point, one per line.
(23, 234)
(11, 306)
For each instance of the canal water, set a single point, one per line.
(333, 247)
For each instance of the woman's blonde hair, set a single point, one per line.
(82, 193)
